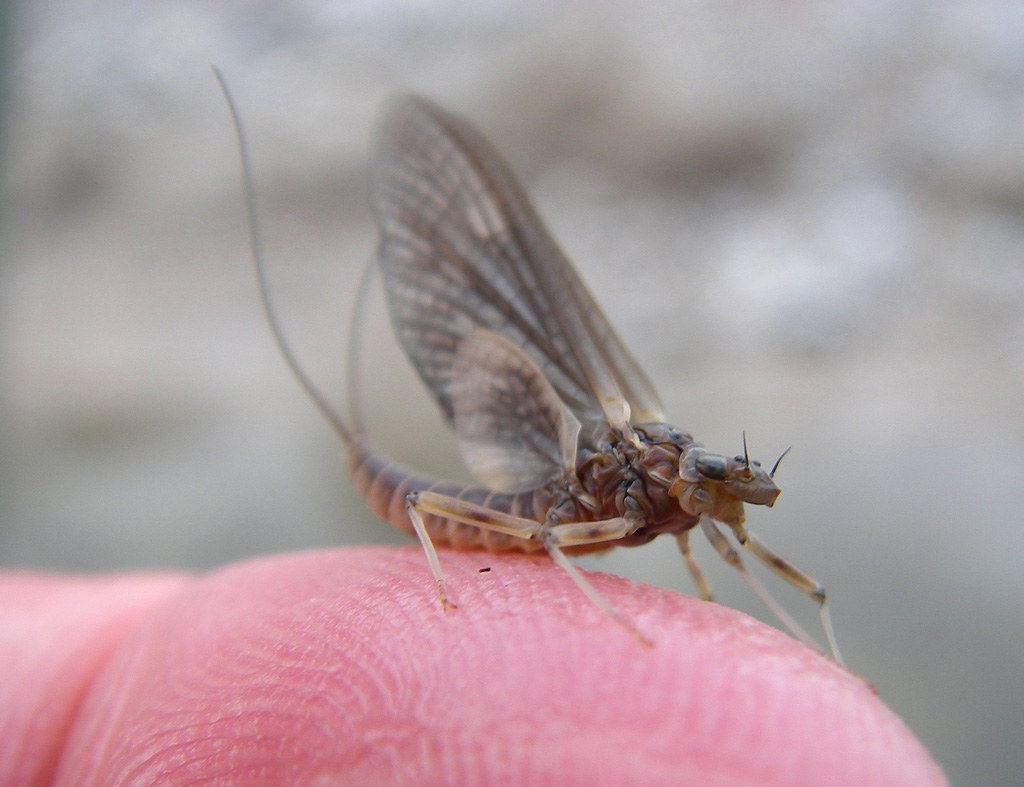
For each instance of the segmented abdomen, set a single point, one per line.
(384, 485)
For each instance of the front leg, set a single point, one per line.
(795, 577)
(731, 556)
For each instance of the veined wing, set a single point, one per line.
(462, 249)
(514, 431)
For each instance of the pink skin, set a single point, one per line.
(340, 667)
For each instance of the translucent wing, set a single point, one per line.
(462, 249)
(513, 430)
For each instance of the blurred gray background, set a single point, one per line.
(806, 219)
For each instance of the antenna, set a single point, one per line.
(256, 244)
(777, 461)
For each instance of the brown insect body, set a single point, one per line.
(619, 478)
(550, 410)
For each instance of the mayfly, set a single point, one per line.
(552, 414)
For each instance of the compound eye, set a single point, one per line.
(712, 466)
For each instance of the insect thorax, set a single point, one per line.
(619, 477)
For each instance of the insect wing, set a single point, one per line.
(513, 430)
(462, 249)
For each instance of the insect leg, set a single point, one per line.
(419, 503)
(731, 556)
(554, 537)
(577, 533)
(428, 548)
(699, 582)
(795, 577)
(472, 514)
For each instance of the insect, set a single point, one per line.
(561, 426)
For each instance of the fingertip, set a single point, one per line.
(342, 666)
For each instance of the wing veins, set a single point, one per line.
(458, 229)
